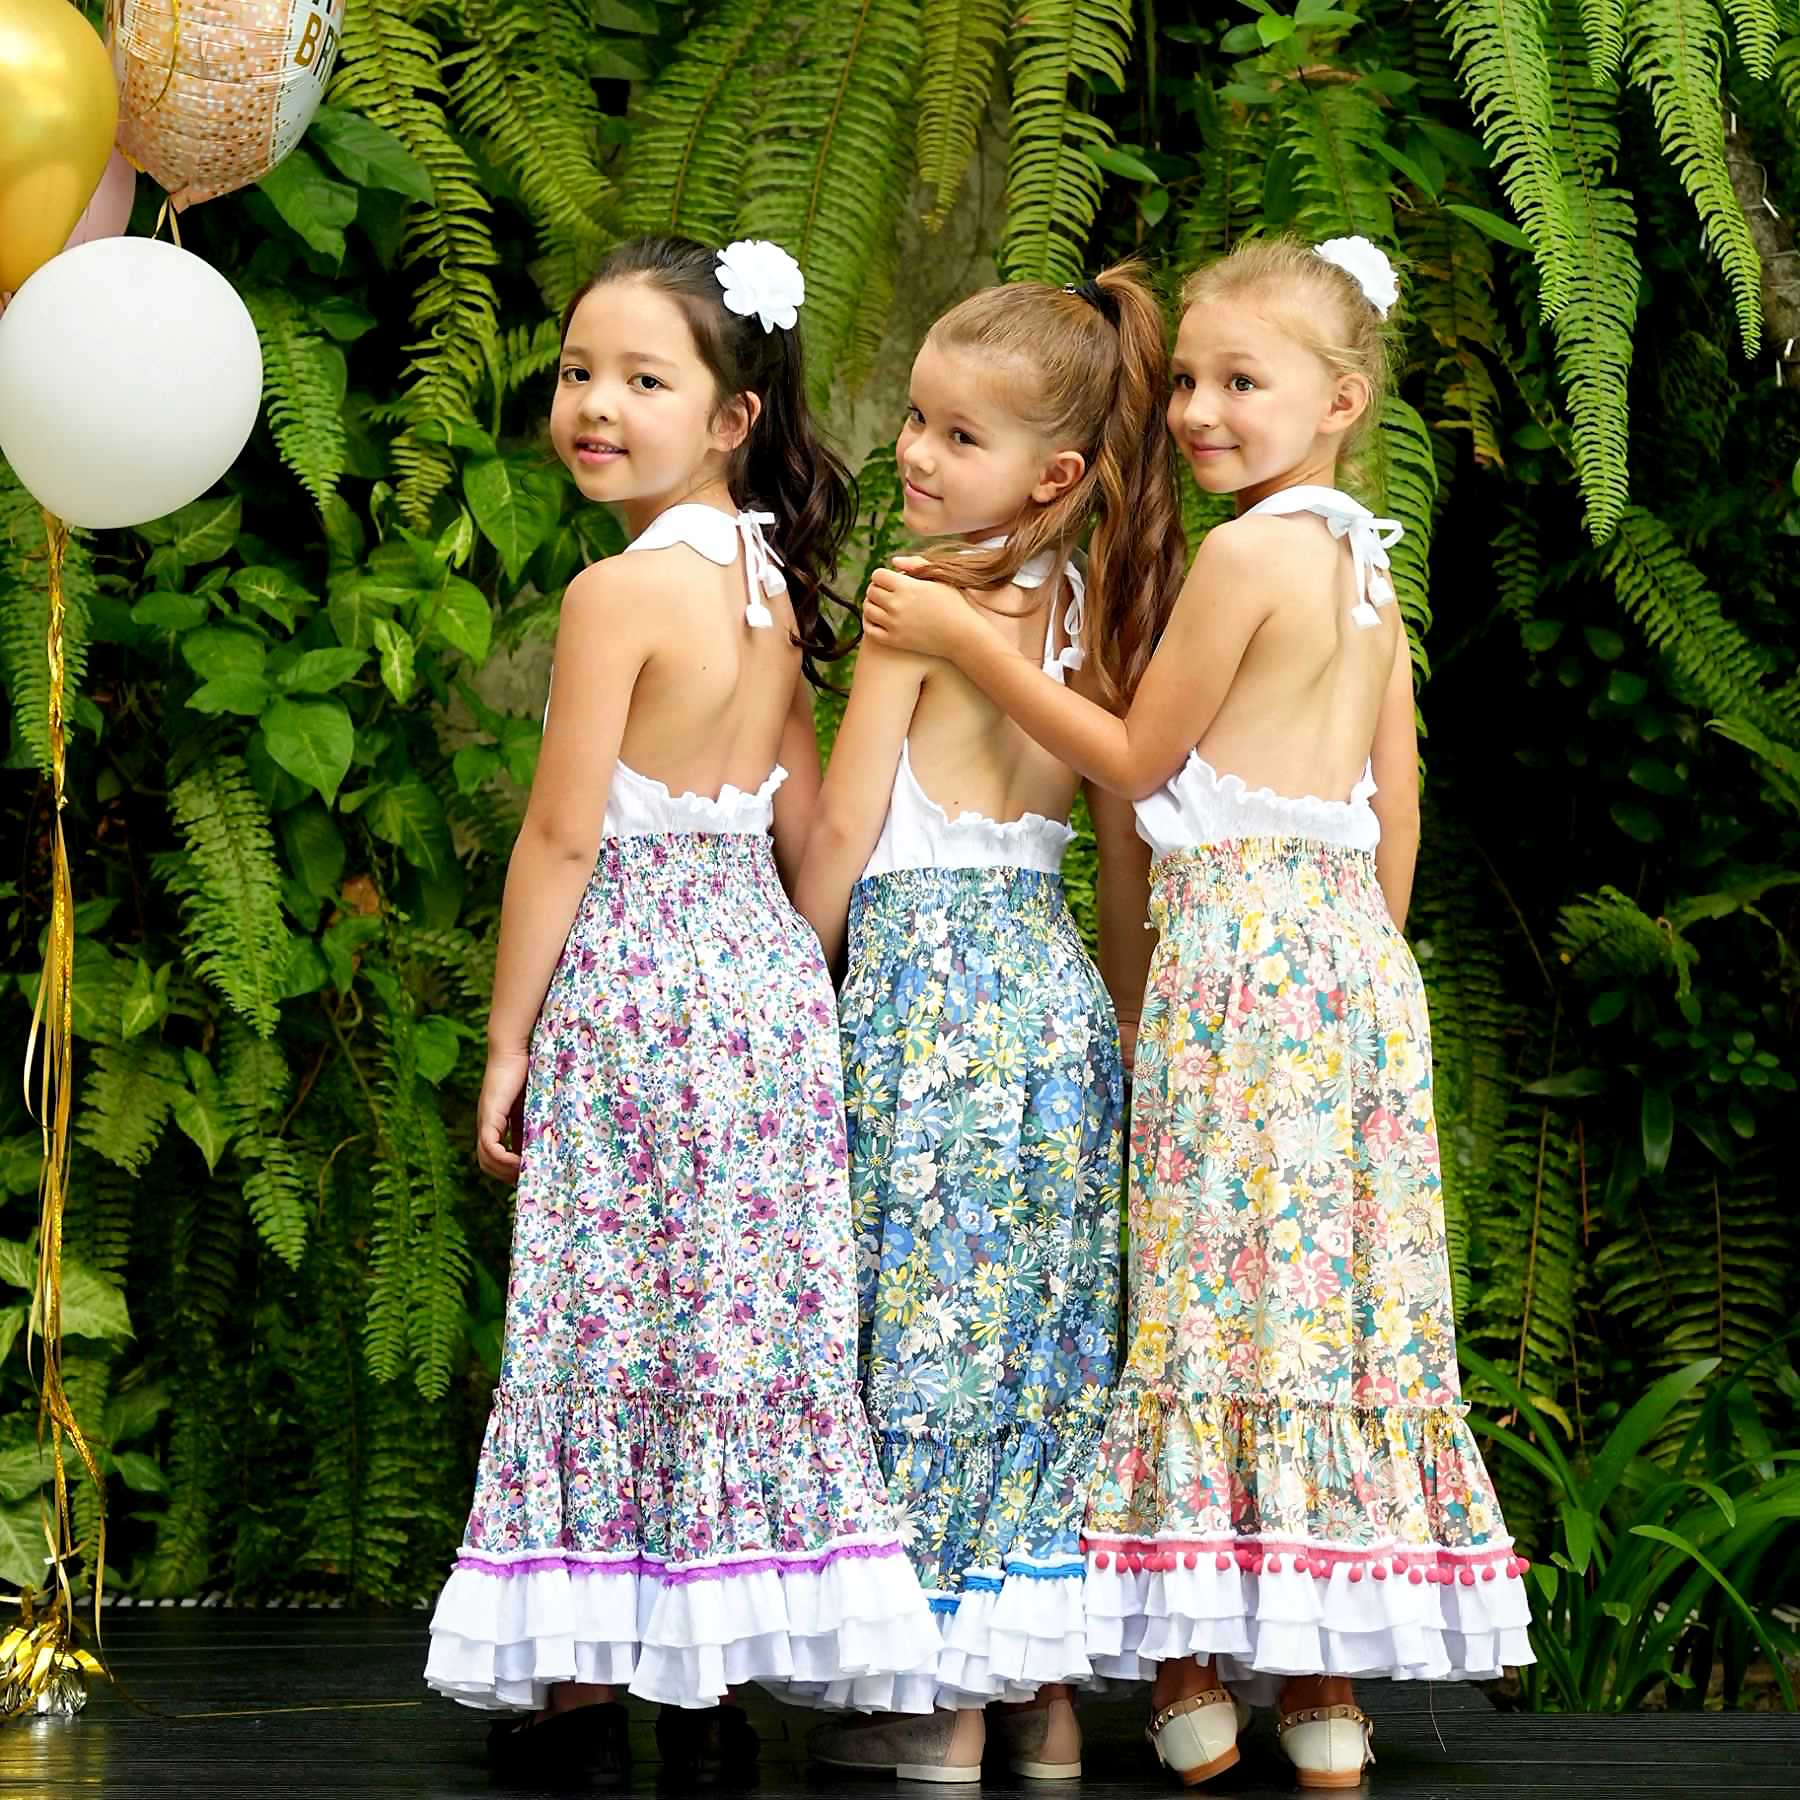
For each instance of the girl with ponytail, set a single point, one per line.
(1289, 1494)
(983, 1079)
(678, 1489)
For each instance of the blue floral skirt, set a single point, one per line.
(984, 1101)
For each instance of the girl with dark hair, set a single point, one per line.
(678, 1491)
(984, 1087)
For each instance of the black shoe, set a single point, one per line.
(584, 1747)
(714, 1748)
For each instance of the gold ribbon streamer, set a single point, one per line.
(41, 1668)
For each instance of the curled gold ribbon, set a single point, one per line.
(41, 1667)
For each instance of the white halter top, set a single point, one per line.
(919, 834)
(639, 805)
(1199, 806)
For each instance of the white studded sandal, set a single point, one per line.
(1329, 1746)
(1196, 1737)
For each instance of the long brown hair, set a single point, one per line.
(782, 465)
(1095, 379)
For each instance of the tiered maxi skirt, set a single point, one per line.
(1288, 1482)
(985, 1102)
(678, 1491)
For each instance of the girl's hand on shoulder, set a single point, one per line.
(928, 618)
(500, 1115)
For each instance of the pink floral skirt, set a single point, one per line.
(678, 1491)
(1288, 1481)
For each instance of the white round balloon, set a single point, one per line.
(130, 378)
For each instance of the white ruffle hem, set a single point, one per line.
(836, 1627)
(1267, 1610)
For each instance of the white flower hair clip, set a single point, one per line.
(760, 280)
(1367, 265)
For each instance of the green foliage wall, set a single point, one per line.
(291, 804)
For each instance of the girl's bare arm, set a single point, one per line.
(1396, 763)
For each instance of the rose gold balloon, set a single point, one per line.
(58, 109)
(214, 93)
(109, 212)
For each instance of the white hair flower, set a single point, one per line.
(760, 280)
(1367, 265)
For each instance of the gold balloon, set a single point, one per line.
(59, 108)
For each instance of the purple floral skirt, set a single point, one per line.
(678, 1490)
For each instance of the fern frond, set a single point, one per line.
(230, 888)
(1341, 181)
(1698, 392)
(1677, 57)
(254, 1076)
(1052, 184)
(1453, 288)
(276, 1192)
(868, 329)
(1608, 933)
(1405, 473)
(441, 1265)
(1603, 24)
(1596, 327)
(390, 69)
(1505, 63)
(1668, 599)
(305, 378)
(520, 86)
(961, 39)
(1223, 200)
(126, 1100)
(101, 1213)
(827, 137)
(1518, 552)
(525, 352)
(685, 166)
(25, 617)
(1756, 26)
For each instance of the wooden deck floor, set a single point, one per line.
(255, 1703)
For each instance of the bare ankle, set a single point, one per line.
(1181, 1678)
(567, 1695)
(1302, 1692)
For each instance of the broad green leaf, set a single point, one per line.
(307, 970)
(1572, 1084)
(1579, 1527)
(395, 648)
(1658, 1128)
(141, 1473)
(312, 740)
(342, 318)
(146, 1000)
(1502, 231)
(245, 695)
(201, 1111)
(12, 1322)
(437, 1043)
(92, 1304)
(170, 612)
(319, 671)
(24, 1468)
(409, 814)
(343, 939)
(459, 434)
(22, 1546)
(472, 765)
(315, 848)
(272, 591)
(370, 154)
(1121, 162)
(1411, 169)
(1275, 28)
(314, 206)
(215, 650)
(203, 530)
(515, 506)
(355, 606)
(461, 616)
(131, 1413)
(1637, 1428)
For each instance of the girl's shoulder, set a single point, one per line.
(1255, 546)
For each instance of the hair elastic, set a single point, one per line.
(1105, 304)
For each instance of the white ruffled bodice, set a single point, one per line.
(919, 834)
(1200, 805)
(638, 806)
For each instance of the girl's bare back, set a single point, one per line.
(712, 699)
(1300, 715)
(966, 754)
